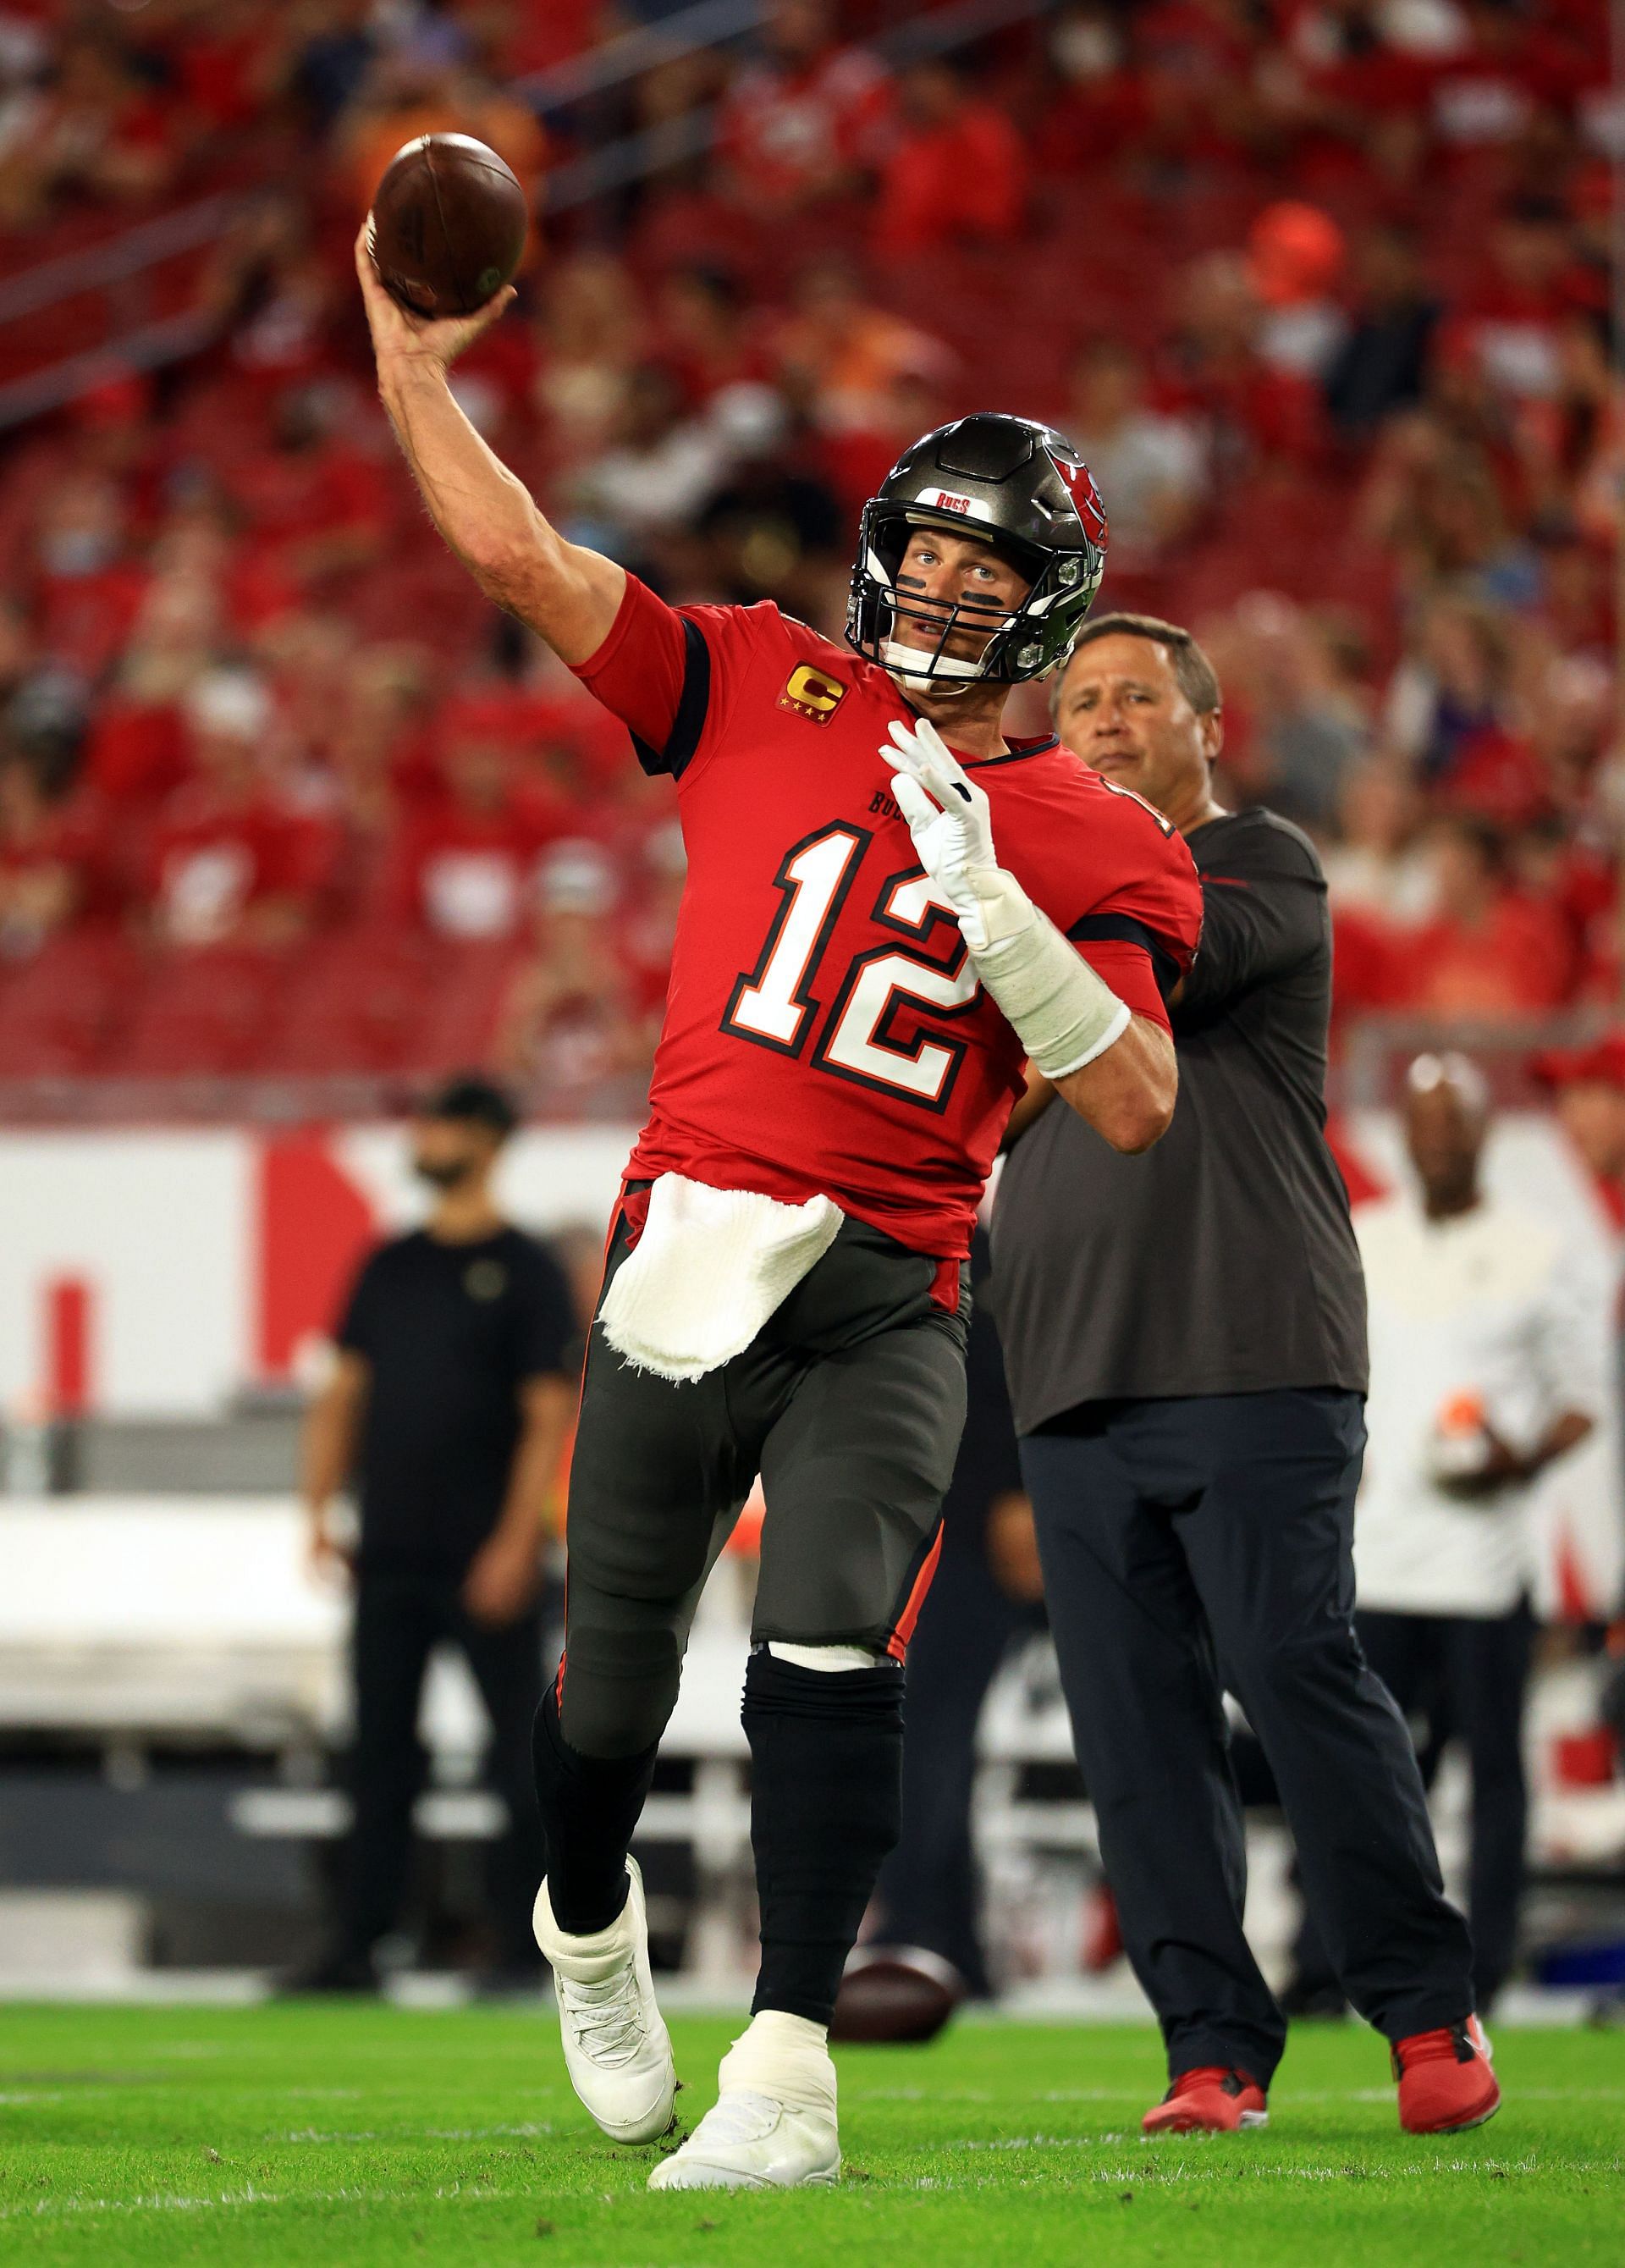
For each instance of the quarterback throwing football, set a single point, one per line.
(877, 932)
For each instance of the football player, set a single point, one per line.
(878, 930)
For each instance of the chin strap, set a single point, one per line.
(950, 676)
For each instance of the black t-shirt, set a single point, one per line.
(451, 1333)
(1222, 1261)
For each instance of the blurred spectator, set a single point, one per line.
(1487, 1333)
(571, 1020)
(45, 855)
(90, 128)
(273, 294)
(1148, 468)
(647, 924)
(316, 503)
(88, 586)
(1295, 257)
(1308, 727)
(840, 355)
(229, 863)
(1488, 953)
(373, 737)
(1451, 698)
(1251, 413)
(1375, 866)
(416, 91)
(465, 860)
(708, 334)
(1379, 365)
(341, 38)
(1587, 1086)
(1514, 317)
(953, 170)
(654, 479)
(774, 526)
(1099, 105)
(590, 336)
(803, 122)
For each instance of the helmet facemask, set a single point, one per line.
(1024, 641)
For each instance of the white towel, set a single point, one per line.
(709, 1268)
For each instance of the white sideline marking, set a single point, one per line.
(47, 2208)
(1165, 2174)
(416, 2134)
(1155, 2168)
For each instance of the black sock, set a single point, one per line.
(826, 1759)
(589, 1806)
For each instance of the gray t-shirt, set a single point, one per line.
(1222, 1261)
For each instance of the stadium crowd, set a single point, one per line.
(1320, 288)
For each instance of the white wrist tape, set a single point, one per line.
(1062, 1013)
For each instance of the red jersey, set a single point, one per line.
(825, 1032)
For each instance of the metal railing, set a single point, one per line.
(639, 156)
(123, 269)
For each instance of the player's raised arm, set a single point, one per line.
(567, 595)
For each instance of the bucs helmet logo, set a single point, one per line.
(1085, 494)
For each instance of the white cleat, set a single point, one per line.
(616, 2047)
(773, 2125)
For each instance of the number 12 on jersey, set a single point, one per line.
(774, 1006)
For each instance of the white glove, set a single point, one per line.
(952, 822)
(1059, 1009)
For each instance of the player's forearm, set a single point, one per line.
(1566, 1432)
(569, 596)
(1127, 1093)
(486, 516)
(1114, 1069)
(326, 1449)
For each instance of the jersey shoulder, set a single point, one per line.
(1090, 845)
(731, 631)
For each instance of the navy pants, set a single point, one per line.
(1465, 1678)
(400, 1620)
(1194, 1545)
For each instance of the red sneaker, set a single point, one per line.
(1209, 2101)
(1447, 2078)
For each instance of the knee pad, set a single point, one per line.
(617, 1692)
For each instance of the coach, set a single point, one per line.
(1185, 1336)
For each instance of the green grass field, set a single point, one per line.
(302, 2133)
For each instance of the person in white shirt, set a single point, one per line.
(1486, 1364)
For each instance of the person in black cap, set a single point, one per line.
(447, 1408)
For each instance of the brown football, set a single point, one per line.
(449, 221)
(898, 1993)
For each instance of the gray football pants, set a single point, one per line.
(849, 1403)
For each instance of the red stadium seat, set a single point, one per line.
(57, 1010)
(354, 1005)
(471, 982)
(198, 1011)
